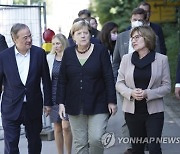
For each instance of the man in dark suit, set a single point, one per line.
(22, 68)
(3, 44)
(86, 14)
(177, 86)
(157, 29)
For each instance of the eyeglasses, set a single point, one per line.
(135, 37)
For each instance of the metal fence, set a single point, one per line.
(31, 15)
(35, 18)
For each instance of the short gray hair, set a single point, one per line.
(16, 28)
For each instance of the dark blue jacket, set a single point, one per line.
(89, 87)
(158, 30)
(3, 44)
(15, 90)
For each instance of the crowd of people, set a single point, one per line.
(82, 79)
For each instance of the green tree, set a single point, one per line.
(25, 1)
(118, 11)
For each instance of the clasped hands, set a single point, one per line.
(139, 94)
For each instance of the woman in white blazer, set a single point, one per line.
(62, 130)
(143, 80)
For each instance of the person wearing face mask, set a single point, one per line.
(136, 23)
(108, 36)
(156, 28)
(3, 44)
(124, 46)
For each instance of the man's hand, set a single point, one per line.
(177, 92)
(47, 110)
(112, 108)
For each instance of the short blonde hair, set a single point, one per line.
(63, 41)
(79, 25)
(148, 34)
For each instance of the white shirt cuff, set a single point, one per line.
(177, 85)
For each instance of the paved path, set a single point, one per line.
(171, 129)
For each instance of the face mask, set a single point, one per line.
(113, 36)
(136, 24)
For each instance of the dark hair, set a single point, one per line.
(77, 20)
(85, 11)
(105, 36)
(139, 11)
(93, 19)
(145, 4)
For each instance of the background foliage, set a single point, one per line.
(119, 11)
(25, 1)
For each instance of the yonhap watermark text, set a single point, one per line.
(148, 140)
(109, 139)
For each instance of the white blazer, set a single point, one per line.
(50, 60)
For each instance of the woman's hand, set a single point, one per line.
(112, 108)
(62, 112)
(139, 94)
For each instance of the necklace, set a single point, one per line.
(82, 52)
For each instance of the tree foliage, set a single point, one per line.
(118, 11)
(25, 1)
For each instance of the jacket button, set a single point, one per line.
(80, 87)
(80, 80)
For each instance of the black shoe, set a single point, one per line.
(128, 151)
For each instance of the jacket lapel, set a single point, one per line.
(154, 70)
(31, 64)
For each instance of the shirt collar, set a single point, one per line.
(18, 53)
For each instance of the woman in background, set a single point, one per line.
(108, 36)
(62, 130)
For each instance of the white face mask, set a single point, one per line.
(113, 36)
(136, 24)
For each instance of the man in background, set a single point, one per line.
(3, 44)
(157, 29)
(86, 14)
